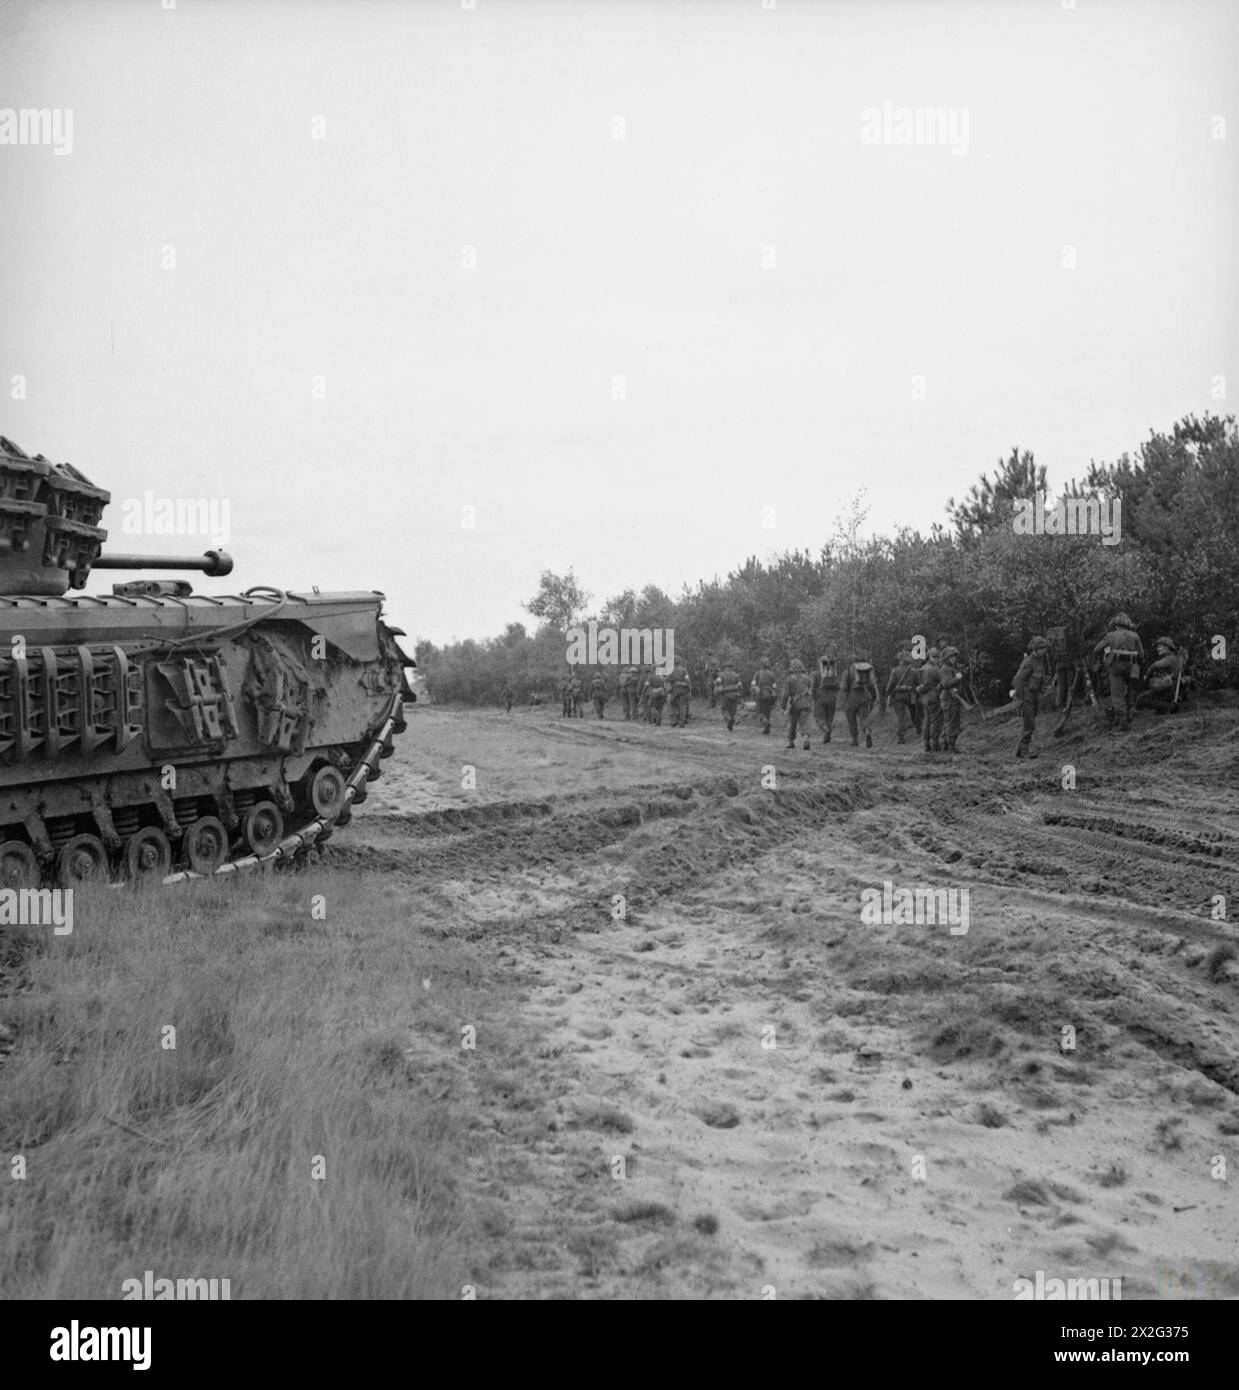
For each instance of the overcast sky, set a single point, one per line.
(695, 289)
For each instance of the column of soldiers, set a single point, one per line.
(928, 698)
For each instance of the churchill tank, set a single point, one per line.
(155, 734)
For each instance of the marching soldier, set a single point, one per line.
(797, 701)
(860, 694)
(598, 693)
(565, 697)
(656, 696)
(825, 695)
(901, 691)
(1030, 681)
(763, 689)
(729, 693)
(576, 693)
(621, 690)
(1124, 655)
(712, 675)
(931, 711)
(679, 695)
(950, 696)
(506, 696)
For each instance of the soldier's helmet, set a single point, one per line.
(932, 654)
(1167, 644)
(949, 653)
(1121, 620)
(797, 666)
(1038, 644)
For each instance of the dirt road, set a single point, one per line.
(744, 1087)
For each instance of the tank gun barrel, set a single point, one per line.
(213, 564)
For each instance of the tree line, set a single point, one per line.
(1175, 571)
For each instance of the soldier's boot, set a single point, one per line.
(806, 745)
(826, 738)
(869, 739)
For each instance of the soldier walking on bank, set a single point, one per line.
(950, 697)
(1030, 681)
(598, 693)
(901, 692)
(656, 696)
(825, 695)
(931, 710)
(798, 702)
(860, 694)
(764, 684)
(729, 689)
(506, 697)
(679, 695)
(1124, 655)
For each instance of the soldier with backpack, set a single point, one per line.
(656, 696)
(950, 696)
(901, 692)
(576, 694)
(763, 689)
(679, 683)
(1029, 682)
(729, 693)
(860, 694)
(598, 693)
(931, 710)
(798, 702)
(825, 695)
(1123, 653)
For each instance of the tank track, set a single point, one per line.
(318, 829)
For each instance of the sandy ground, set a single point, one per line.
(742, 1089)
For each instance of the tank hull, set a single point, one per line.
(136, 722)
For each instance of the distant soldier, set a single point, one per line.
(729, 690)
(798, 702)
(656, 696)
(712, 675)
(1030, 681)
(901, 692)
(598, 693)
(621, 689)
(860, 694)
(506, 697)
(931, 711)
(565, 697)
(1123, 653)
(576, 693)
(763, 691)
(631, 693)
(1166, 677)
(679, 683)
(825, 695)
(950, 696)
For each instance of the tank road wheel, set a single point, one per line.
(148, 855)
(206, 845)
(263, 828)
(18, 866)
(327, 791)
(83, 858)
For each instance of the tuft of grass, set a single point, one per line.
(1114, 1176)
(637, 1213)
(1216, 959)
(606, 1118)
